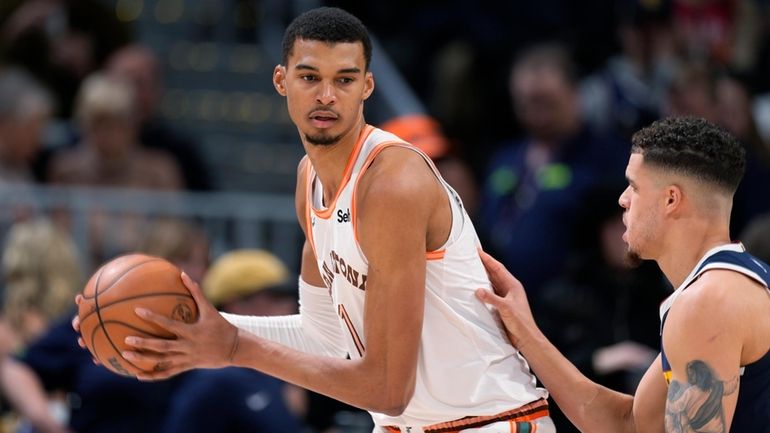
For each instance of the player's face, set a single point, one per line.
(111, 136)
(325, 87)
(642, 216)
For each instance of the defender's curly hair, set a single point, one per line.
(694, 148)
(327, 24)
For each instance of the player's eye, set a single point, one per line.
(308, 77)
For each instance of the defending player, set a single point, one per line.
(713, 373)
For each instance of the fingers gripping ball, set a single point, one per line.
(107, 310)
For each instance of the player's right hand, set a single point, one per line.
(211, 342)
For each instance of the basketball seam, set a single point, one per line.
(148, 295)
(98, 312)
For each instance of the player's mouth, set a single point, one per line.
(323, 118)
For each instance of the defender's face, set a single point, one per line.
(643, 202)
(325, 86)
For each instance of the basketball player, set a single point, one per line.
(713, 372)
(389, 322)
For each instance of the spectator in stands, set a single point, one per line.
(706, 29)
(756, 237)
(182, 242)
(110, 153)
(535, 182)
(24, 111)
(139, 66)
(59, 41)
(733, 103)
(629, 91)
(238, 400)
(602, 313)
(98, 401)
(42, 273)
(722, 98)
(692, 92)
(42, 267)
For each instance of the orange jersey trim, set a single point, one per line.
(528, 412)
(435, 255)
(308, 204)
(352, 158)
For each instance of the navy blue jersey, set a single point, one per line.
(752, 413)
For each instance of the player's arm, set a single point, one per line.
(588, 405)
(394, 205)
(394, 217)
(316, 328)
(704, 339)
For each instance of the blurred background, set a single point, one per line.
(153, 125)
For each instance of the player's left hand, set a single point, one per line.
(208, 343)
(510, 300)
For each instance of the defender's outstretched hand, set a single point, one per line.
(509, 299)
(210, 342)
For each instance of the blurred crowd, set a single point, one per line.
(530, 107)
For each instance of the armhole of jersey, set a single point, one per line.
(429, 255)
(748, 273)
(308, 174)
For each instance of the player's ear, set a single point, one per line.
(279, 79)
(368, 84)
(673, 198)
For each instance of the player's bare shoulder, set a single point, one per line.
(723, 290)
(711, 296)
(400, 185)
(726, 301)
(398, 173)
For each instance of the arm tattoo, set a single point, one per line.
(696, 406)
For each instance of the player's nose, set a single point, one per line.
(623, 200)
(327, 94)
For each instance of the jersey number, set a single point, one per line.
(356, 339)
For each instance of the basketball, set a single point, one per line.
(107, 310)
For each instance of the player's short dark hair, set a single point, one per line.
(330, 25)
(694, 148)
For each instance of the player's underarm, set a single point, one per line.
(697, 404)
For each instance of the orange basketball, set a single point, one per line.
(107, 310)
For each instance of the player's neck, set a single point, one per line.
(684, 248)
(330, 161)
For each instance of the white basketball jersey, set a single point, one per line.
(466, 365)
